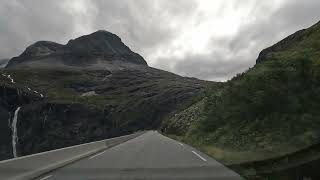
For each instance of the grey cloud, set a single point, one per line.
(24, 22)
(143, 24)
(291, 17)
(242, 49)
(213, 66)
(298, 14)
(149, 25)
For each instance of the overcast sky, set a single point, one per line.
(207, 39)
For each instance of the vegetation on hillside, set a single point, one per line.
(86, 105)
(269, 111)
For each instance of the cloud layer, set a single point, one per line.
(212, 40)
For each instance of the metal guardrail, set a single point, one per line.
(32, 166)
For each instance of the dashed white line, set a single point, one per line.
(181, 144)
(97, 155)
(47, 177)
(199, 156)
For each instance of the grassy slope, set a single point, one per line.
(124, 101)
(269, 111)
(123, 89)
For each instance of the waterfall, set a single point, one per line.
(15, 132)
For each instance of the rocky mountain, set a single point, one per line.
(99, 50)
(92, 88)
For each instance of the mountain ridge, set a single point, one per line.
(288, 42)
(98, 50)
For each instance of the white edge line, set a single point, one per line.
(47, 177)
(97, 154)
(181, 144)
(199, 156)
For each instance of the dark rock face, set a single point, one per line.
(46, 126)
(10, 99)
(100, 49)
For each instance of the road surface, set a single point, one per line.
(150, 156)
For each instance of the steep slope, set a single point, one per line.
(81, 102)
(302, 41)
(269, 111)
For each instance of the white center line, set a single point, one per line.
(97, 154)
(199, 156)
(47, 177)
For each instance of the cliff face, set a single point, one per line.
(93, 88)
(11, 99)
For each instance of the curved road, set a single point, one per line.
(150, 156)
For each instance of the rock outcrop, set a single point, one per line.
(99, 50)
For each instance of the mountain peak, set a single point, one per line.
(105, 32)
(100, 34)
(101, 47)
(99, 42)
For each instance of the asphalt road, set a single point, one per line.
(150, 156)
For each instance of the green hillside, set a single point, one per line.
(268, 111)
